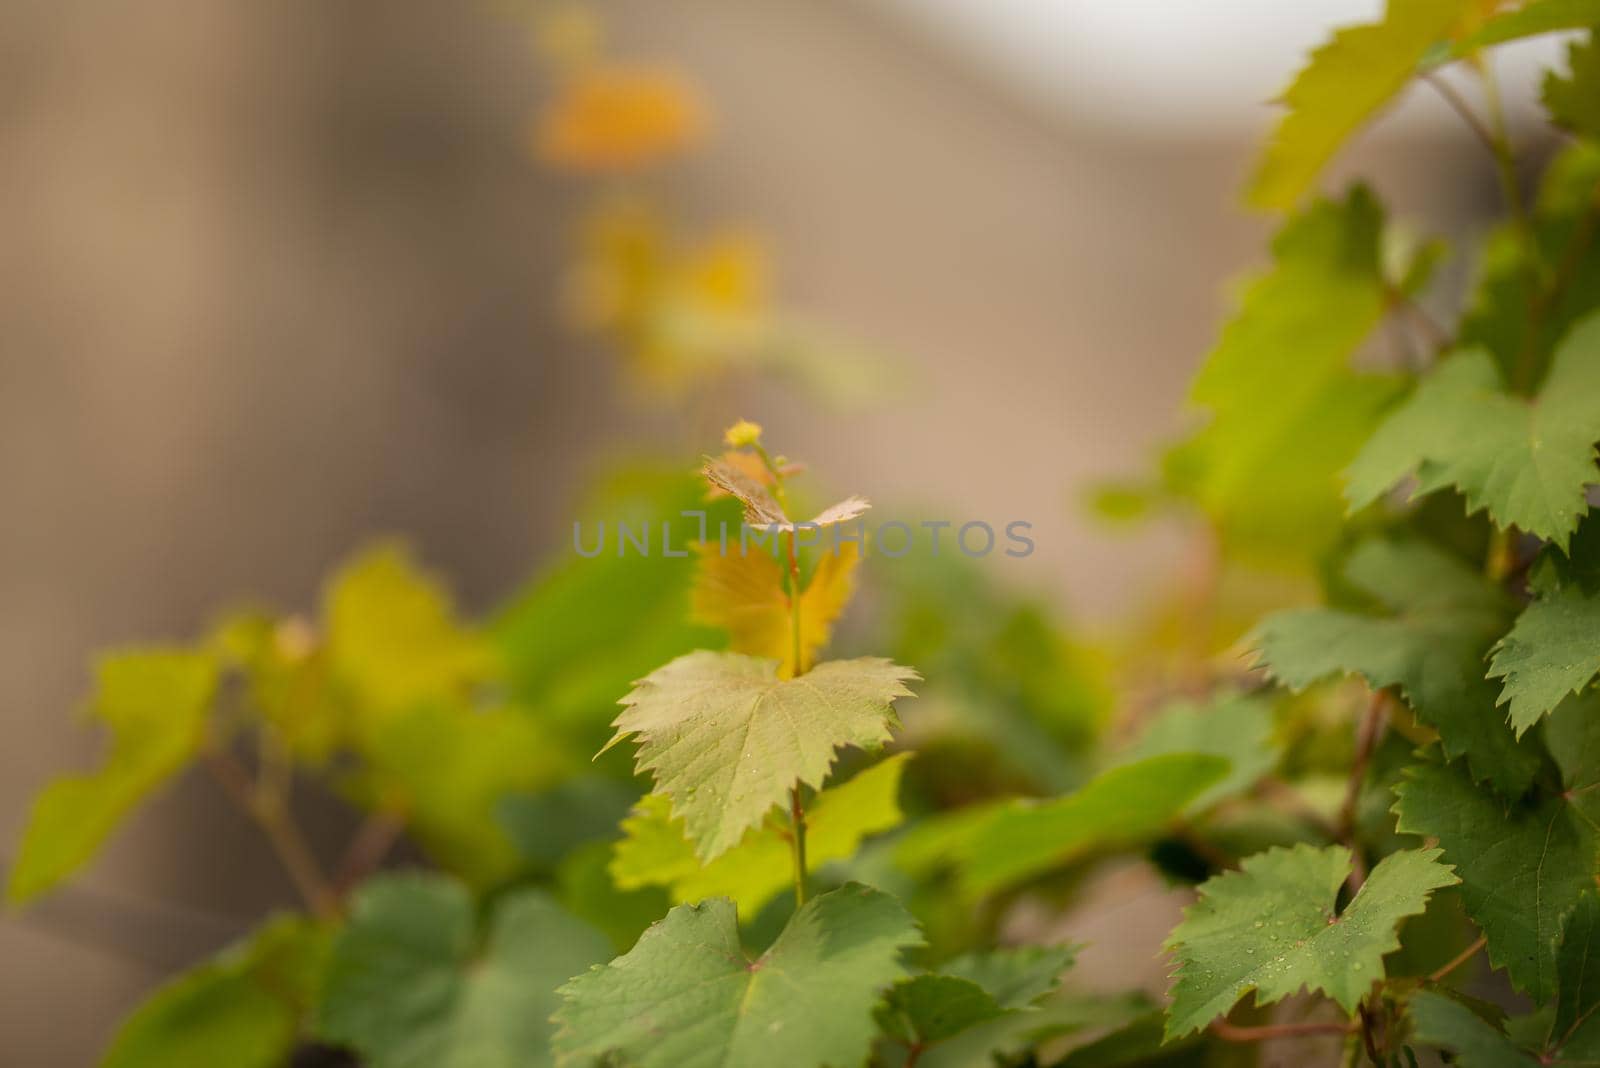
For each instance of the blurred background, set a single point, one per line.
(278, 278)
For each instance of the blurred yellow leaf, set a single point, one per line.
(619, 118)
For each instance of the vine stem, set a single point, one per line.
(266, 808)
(1235, 1033)
(797, 814)
(1460, 959)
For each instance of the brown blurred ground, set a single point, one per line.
(280, 276)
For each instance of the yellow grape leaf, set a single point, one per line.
(742, 592)
(155, 703)
(1346, 81)
(395, 641)
(656, 852)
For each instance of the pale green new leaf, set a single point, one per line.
(1347, 80)
(1523, 866)
(687, 996)
(1554, 648)
(243, 1009)
(1526, 461)
(1265, 466)
(655, 851)
(414, 983)
(1530, 20)
(1001, 845)
(155, 703)
(1438, 620)
(1574, 100)
(1237, 727)
(1271, 927)
(725, 738)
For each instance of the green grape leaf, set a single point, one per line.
(1440, 618)
(155, 702)
(1530, 20)
(1526, 462)
(578, 634)
(1574, 101)
(1523, 866)
(1442, 1021)
(1498, 318)
(1265, 467)
(244, 1008)
(1237, 727)
(285, 673)
(445, 769)
(655, 851)
(725, 738)
(970, 990)
(999, 845)
(1347, 80)
(1271, 927)
(413, 982)
(1553, 650)
(394, 639)
(1575, 1029)
(687, 996)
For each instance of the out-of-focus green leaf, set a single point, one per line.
(999, 845)
(1499, 317)
(1526, 461)
(1438, 619)
(414, 983)
(1442, 1021)
(1574, 100)
(286, 678)
(155, 702)
(1271, 927)
(243, 1009)
(687, 996)
(1237, 727)
(656, 852)
(547, 826)
(579, 634)
(1264, 468)
(586, 889)
(926, 1010)
(1347, 81)
(1530, 20)
(446, 769)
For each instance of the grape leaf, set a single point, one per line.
(1441, 617)
(761, 510)
(725, 738)
(243, 1008)
(285, 673)
(1440, 1020)
(1530, 20)
(1498, 318)
(742, 592)
(999, 845)
(1265, 467)
(1571, 1036)
(1347, 80)
(394, 639)
(970, 990)
(1237, 727)
(1553, 650)
(687, 996)
(155, 702)
(412, 983)
(1526, 462)
(1271, 927)
(655, 851)
(1523, 865)
(1574, 101)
